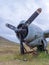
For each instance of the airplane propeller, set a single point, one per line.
(20, 31)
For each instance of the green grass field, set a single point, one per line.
(10, 55)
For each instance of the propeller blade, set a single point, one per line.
(34, 15)
(21, 47)
(14, 28)
(21, 44)
(11, 26)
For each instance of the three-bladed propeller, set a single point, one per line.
(23, 28)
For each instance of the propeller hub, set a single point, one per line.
(24, 31)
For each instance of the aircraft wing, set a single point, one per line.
(46, 34)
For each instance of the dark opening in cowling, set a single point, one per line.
(23, 34)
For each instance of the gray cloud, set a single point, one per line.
(13, 11)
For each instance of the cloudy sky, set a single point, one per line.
(13, 11)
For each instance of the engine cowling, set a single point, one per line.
(22, 26)
(31, 32)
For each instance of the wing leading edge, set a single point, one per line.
(46, 34)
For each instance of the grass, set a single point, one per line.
(10, 55)
(27, 59)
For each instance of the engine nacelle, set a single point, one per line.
(32, 32)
